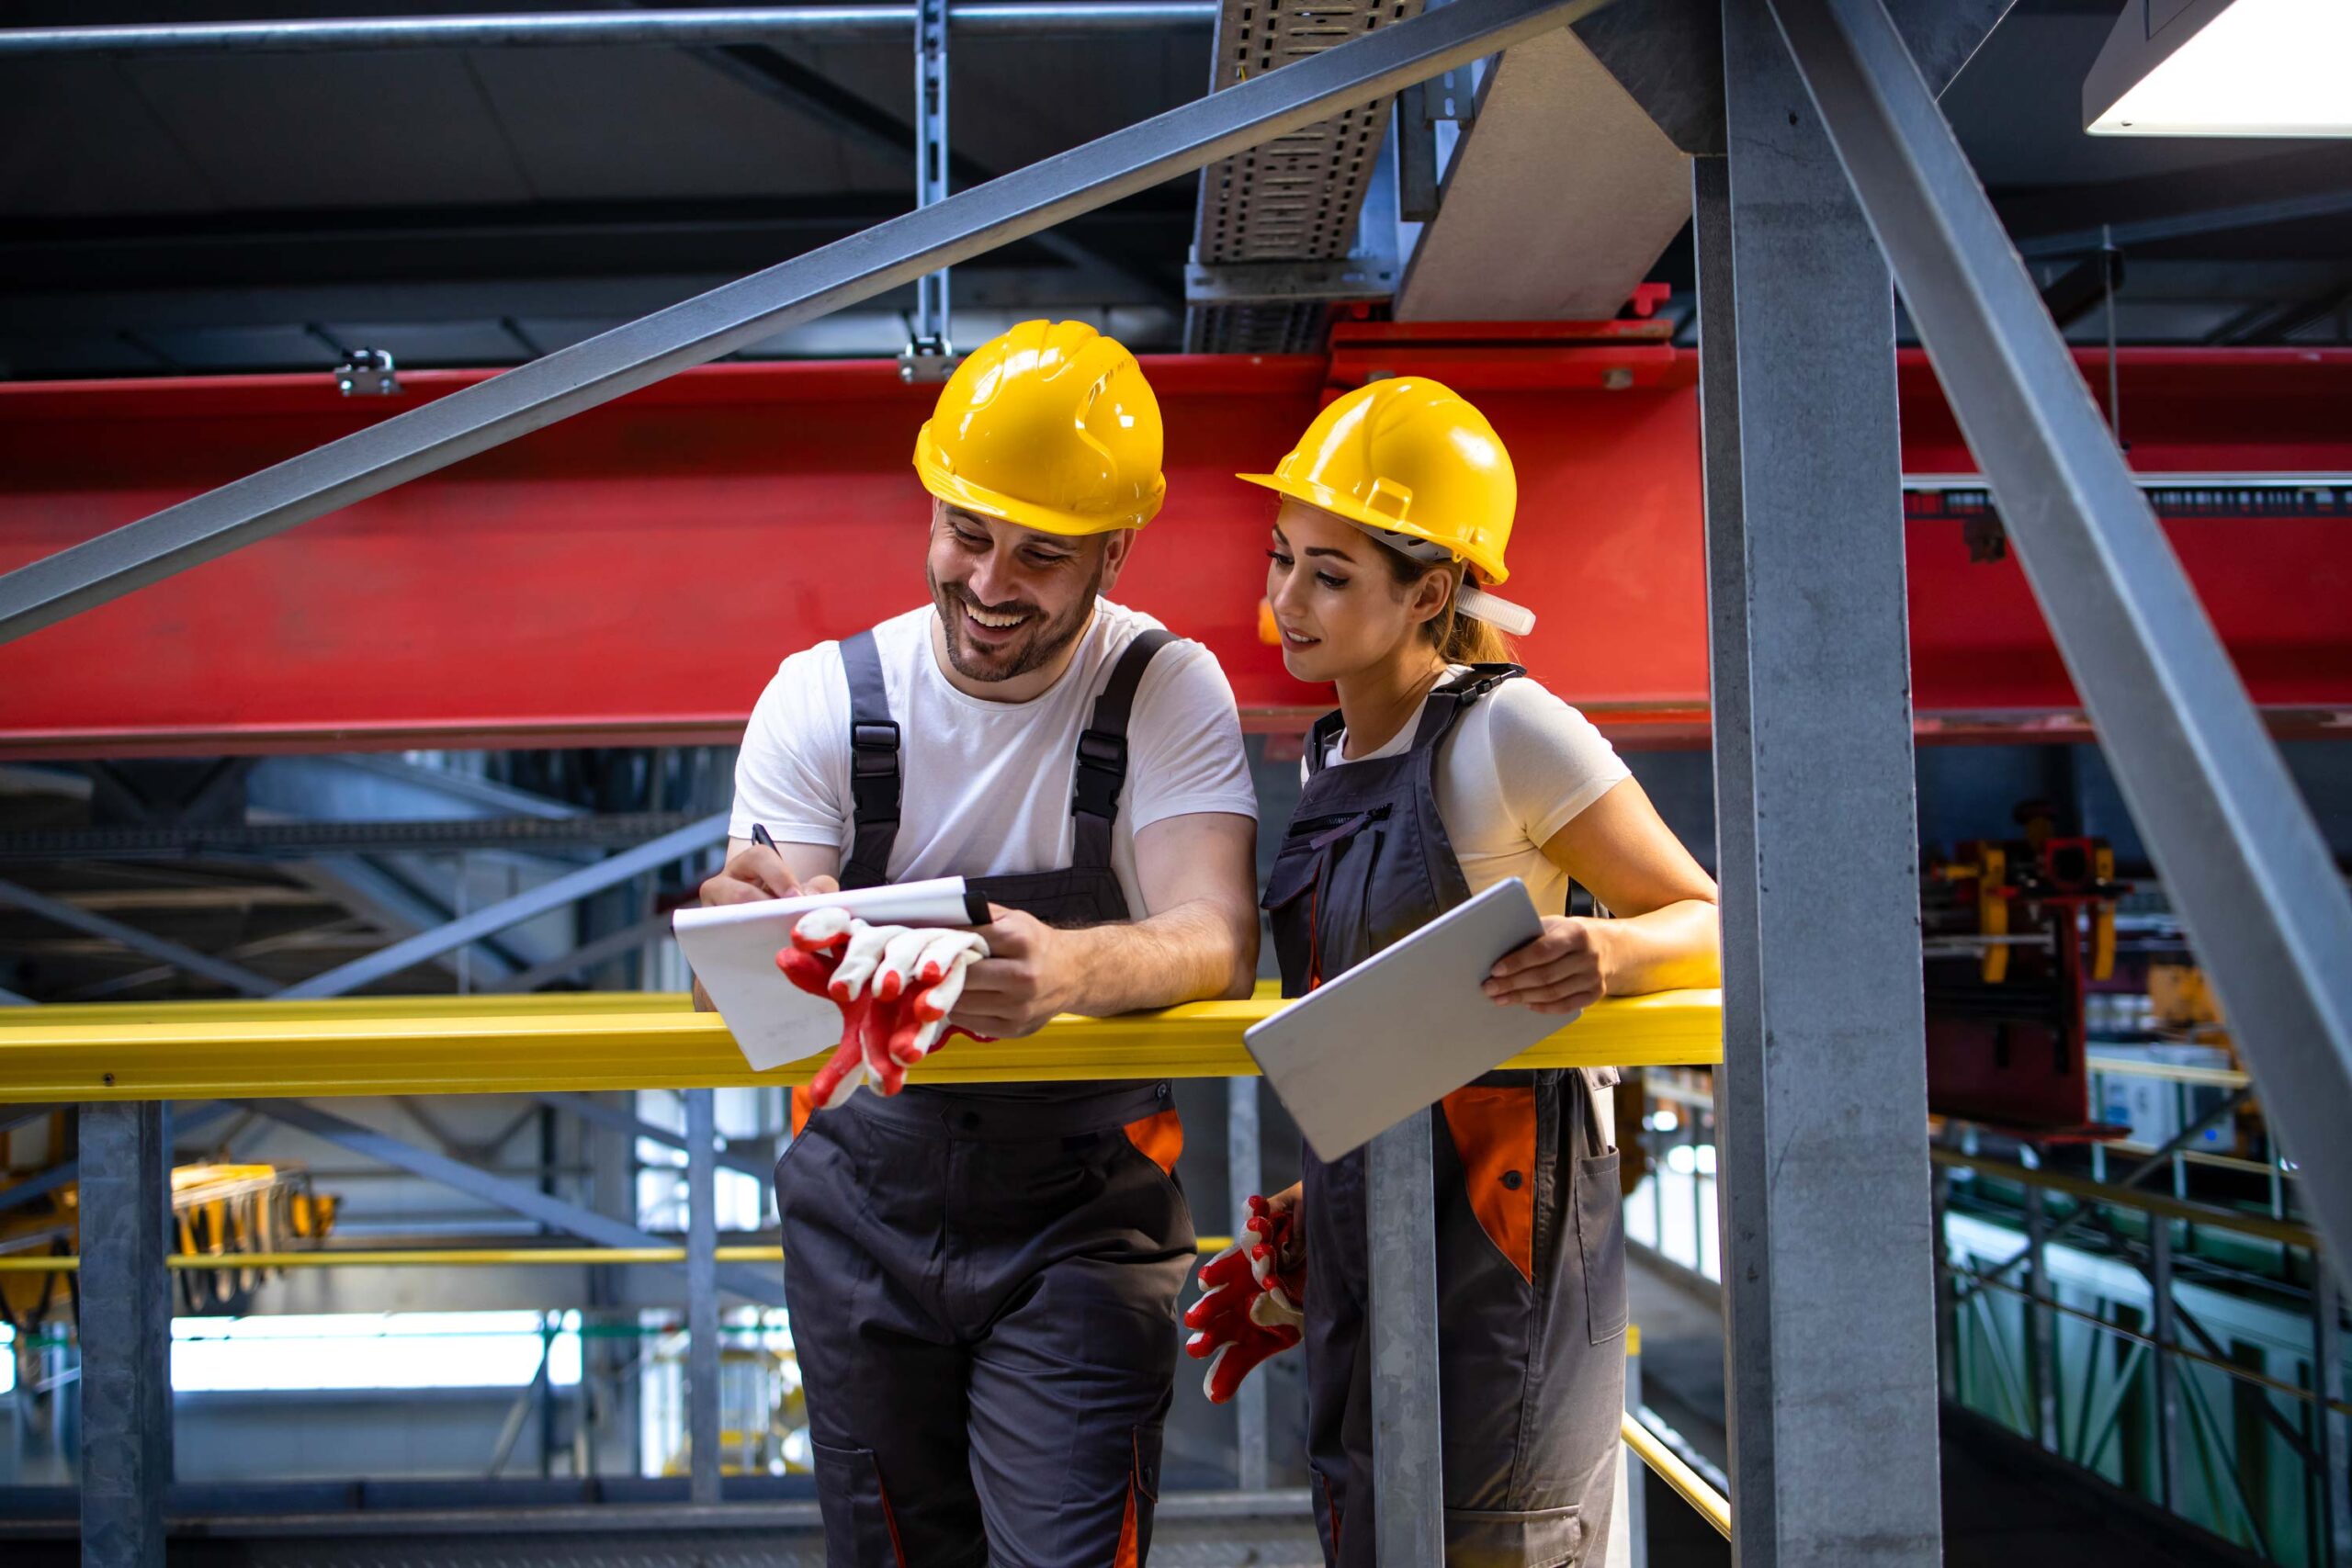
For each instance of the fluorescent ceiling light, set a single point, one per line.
(2224, 68)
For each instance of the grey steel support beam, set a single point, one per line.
(1740, 1213)
(612, 944)
(126, 1335)
(2163, 1329)
(702, 1297)
(70, 1172)
(2244, 865)
(569, 889)
(2040, 1324)
(893, 253)
(517, 1197)
(1243, 1175)
(684, 25)
(588, 1107)
(1829, 1304)
(932, 335)
(2334, 1429)
(88, 921)
(1408, 1475)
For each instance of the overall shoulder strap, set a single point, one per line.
(872, 765)
(1103, 750)
(1450, 701)
(1320, 738)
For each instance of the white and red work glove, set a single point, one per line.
(1251, 1304)
(894, 986)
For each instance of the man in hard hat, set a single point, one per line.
(983, 1280)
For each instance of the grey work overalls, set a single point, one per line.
(1530, 1239)
(983, 1283)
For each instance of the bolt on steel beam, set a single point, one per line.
(695, 330)
(2235, 845)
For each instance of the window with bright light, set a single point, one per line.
(371, 1350)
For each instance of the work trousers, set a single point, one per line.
(1531, 1254)
(984, 1303)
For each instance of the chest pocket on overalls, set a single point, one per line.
(1320, 895)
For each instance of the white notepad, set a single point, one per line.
(732, 949)
(1405, 1028)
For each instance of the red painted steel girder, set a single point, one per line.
(633, 575)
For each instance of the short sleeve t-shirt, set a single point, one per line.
(985, 786)
(1519, 767)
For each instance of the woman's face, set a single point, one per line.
(1336, 602)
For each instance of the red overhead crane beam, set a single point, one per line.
(632, 576)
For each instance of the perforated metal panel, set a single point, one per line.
(1295, 198)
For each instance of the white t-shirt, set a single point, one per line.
(1519, 767)
(985, 786)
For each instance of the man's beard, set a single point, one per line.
(1042, 643)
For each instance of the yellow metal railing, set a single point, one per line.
(586, 1041)
(1687, 1482)
(441, 1258)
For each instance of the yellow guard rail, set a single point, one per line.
(593, 1040)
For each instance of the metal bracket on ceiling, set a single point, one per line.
(1356, 278)
(368, 373)
(929, 355)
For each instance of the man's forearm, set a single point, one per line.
(1193, 952)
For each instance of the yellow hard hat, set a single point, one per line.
(1408, 456)
(1050, 426)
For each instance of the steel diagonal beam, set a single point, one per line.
(630, 939)
(523, 906)
(528, 1202)
(220, 970)
(2233, 841)
(888, 254)
(591, 1110)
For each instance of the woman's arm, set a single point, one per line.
(1666, 934)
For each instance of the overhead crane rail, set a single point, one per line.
(624, 1041)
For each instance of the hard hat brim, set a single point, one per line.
(962, 492)
(1349, 509)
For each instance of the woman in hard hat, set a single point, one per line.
(1444, 770)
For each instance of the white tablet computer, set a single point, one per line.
(1405, 1028)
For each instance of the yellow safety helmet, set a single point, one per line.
(1050, 426)
(1412, 457)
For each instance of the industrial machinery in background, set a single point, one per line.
(2046, 1024)
(2014, 932)
(221, 1212)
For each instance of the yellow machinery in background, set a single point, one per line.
(217, 1211)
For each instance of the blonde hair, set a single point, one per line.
(1458, 638)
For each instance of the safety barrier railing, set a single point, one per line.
(635, 1041)
(119, 1060)
(2030, 1386)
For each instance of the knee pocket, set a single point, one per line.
(1523, 1538)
